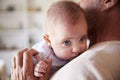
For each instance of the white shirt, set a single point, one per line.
(100, 62)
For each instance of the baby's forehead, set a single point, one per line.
(67, 21)
(61, 24)
(65, 11)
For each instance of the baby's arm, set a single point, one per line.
(42, 69)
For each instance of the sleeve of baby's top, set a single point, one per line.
(38, 47)
(99, 63)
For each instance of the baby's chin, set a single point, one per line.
(69, 59)
(72, 58)
(65, 59)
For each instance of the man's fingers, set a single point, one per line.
(27, 60)
(14, 62)
(19, 58)
(33, 52)
(22, 68)
(13, 65)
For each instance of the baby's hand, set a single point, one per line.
(42, 69)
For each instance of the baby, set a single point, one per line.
(65, 39)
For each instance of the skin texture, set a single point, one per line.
(42, 69)
(105, 27)
(22, 66)
(103, 19)
(67, 36)
(74, 35)
(92, 13)
(77, 37)
(69, 40)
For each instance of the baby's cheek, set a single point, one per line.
(65, 55)
(83, 48)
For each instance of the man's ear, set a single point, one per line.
(46, 38)
(107, 4)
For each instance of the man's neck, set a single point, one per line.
(108, 30)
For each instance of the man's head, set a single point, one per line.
(66, 29)
(94, 9)
(102, 17)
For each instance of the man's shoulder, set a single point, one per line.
(106, 47)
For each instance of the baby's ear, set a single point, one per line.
(46, 38)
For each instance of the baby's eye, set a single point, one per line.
(83, 39)
(67, 43)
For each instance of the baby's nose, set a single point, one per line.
(76, 49)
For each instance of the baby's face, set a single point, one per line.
(69, 40)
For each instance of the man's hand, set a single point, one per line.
(22, 66)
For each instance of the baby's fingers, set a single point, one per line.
(42, 64)
(39, 73)
(49, 63)
(40, 69)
